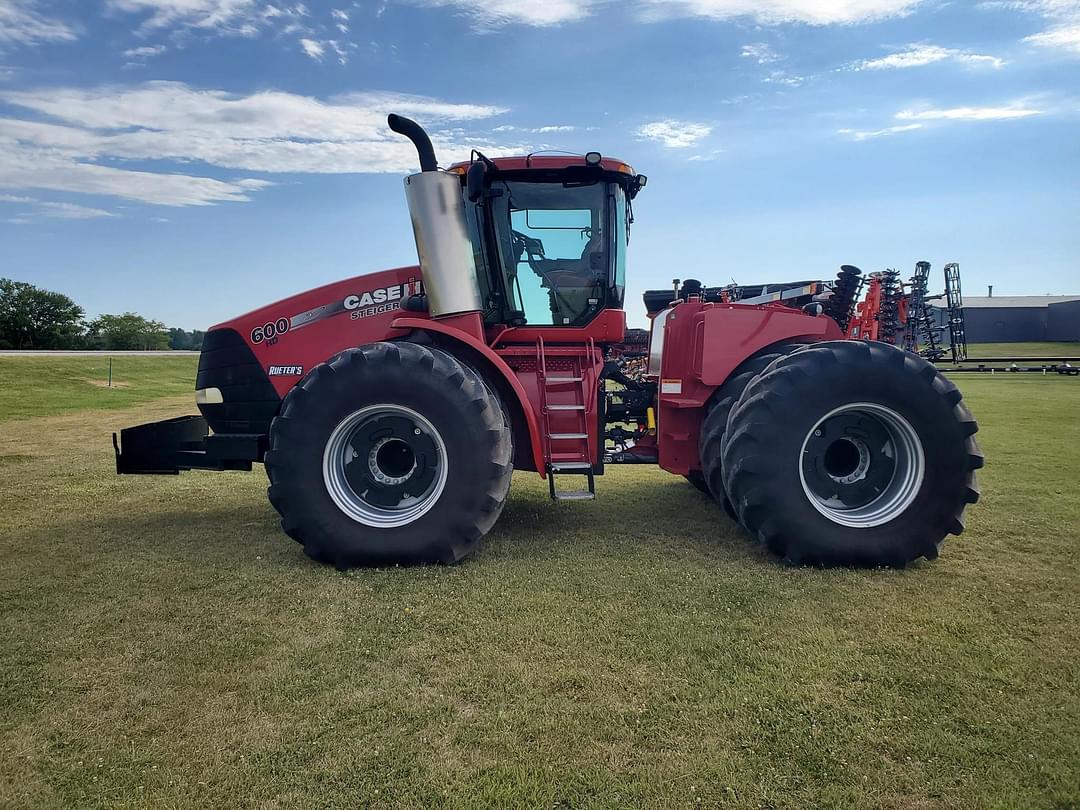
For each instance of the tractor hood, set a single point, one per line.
(293, 335)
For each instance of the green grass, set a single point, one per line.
(1037, 349)
(44, 386)
(166, 646)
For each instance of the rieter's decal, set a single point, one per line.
(285, 371)
(384, 299)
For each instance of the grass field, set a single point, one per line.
(1044, 349)
(44, 386)
(165, 645)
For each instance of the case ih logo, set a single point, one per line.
(381, 300)
(285, 371)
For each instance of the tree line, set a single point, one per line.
(33, 318)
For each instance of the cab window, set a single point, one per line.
(555, 248)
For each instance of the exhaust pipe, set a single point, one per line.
(415, 133)
(437, 210)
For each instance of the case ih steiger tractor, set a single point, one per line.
(390, 409)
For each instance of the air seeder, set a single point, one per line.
(390, 409)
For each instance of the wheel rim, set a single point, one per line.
(385, 466)
(861, 465)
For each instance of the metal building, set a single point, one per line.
(1022, 318)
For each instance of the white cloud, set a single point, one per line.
(23, 166)
(223, 15)
(1064, 16)
(1006, 113)
(145, 52)
(674, 134)
(714, 154)
(1065, 37)
(771, 12)
(760, 52)
(784, 78)
(243, 18)
(495, 13)
(55, 210)
(549, 128)
(91, 132)
(865, 135)
(65, 210)
(919, 55)
(313, 48)
(21, 24)
(920, 117)
(316, 49)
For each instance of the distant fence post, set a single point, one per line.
(110, 372)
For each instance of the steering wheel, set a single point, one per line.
(523, 243)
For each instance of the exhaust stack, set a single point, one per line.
(437, 210)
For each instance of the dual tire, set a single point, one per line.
(389, 453)
(845, 453)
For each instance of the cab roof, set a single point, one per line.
(549, 162)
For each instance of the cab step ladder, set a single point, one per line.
(569, 450)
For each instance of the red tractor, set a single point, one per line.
(390, 409)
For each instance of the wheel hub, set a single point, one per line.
(385, 465)
(391, 461)
(861, 465)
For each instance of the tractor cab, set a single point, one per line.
(549, 236)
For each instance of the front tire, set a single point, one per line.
(851, 453)
(390, 453)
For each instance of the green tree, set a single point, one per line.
(128, 332)
(179, 339)
(33, 318)
(182, 340)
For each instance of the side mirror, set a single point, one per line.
(474, 181)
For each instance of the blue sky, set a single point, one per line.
(194, 159)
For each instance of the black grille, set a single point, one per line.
(227, 363)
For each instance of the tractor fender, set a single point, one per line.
(495, 366)
(726, 336)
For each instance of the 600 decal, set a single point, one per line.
(270, 331)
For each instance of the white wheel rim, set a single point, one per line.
(887, 469)
(358, 502)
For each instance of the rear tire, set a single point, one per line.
(697, 478)
(851, 453)
(362, 430)
(715, 424)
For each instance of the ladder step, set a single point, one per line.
(570, 466)
(552, 381)
(575, 495)
(568, 436)
(566, 407)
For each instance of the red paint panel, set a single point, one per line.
(527, 402)
(322, 322)
(703, 345)
(609, 326)
(510, 164)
